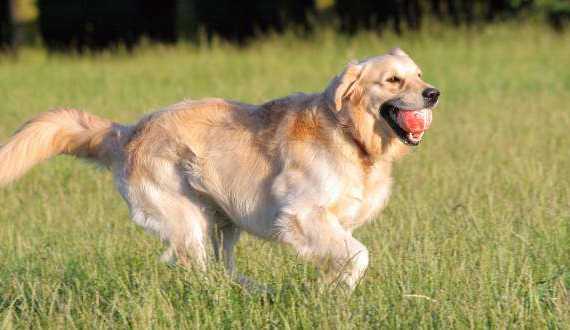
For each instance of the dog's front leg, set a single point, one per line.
(318, 236)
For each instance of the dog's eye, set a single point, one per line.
(394, 79)
(419, 74)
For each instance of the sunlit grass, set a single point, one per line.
(476, 233)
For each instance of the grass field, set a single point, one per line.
(476, 235)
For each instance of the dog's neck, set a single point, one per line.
(366, 138)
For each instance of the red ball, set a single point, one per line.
(414, 121)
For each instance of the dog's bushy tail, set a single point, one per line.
(62, 131)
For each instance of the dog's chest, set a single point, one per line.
(363, 197)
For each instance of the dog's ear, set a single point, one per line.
(345, 87)
(398, 52)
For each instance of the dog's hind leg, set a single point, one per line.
(226, 237)
(188, 234)
(179, 220)
(169, 256)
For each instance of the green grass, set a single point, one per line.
(476, 235)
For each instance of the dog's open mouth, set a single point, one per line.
(409, 125)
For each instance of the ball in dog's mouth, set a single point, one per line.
(409, 125)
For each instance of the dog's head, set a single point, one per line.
(387, 91)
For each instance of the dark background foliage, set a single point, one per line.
(5, 24)
(98, 24)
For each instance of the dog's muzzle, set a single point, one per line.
(409, 125)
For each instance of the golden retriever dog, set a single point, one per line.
(304, 170)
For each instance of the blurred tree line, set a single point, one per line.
(97, 24)
(6, 24)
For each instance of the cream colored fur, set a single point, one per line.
(305, 170)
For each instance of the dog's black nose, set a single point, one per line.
(431, 94)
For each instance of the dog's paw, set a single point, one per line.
(254, 287)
